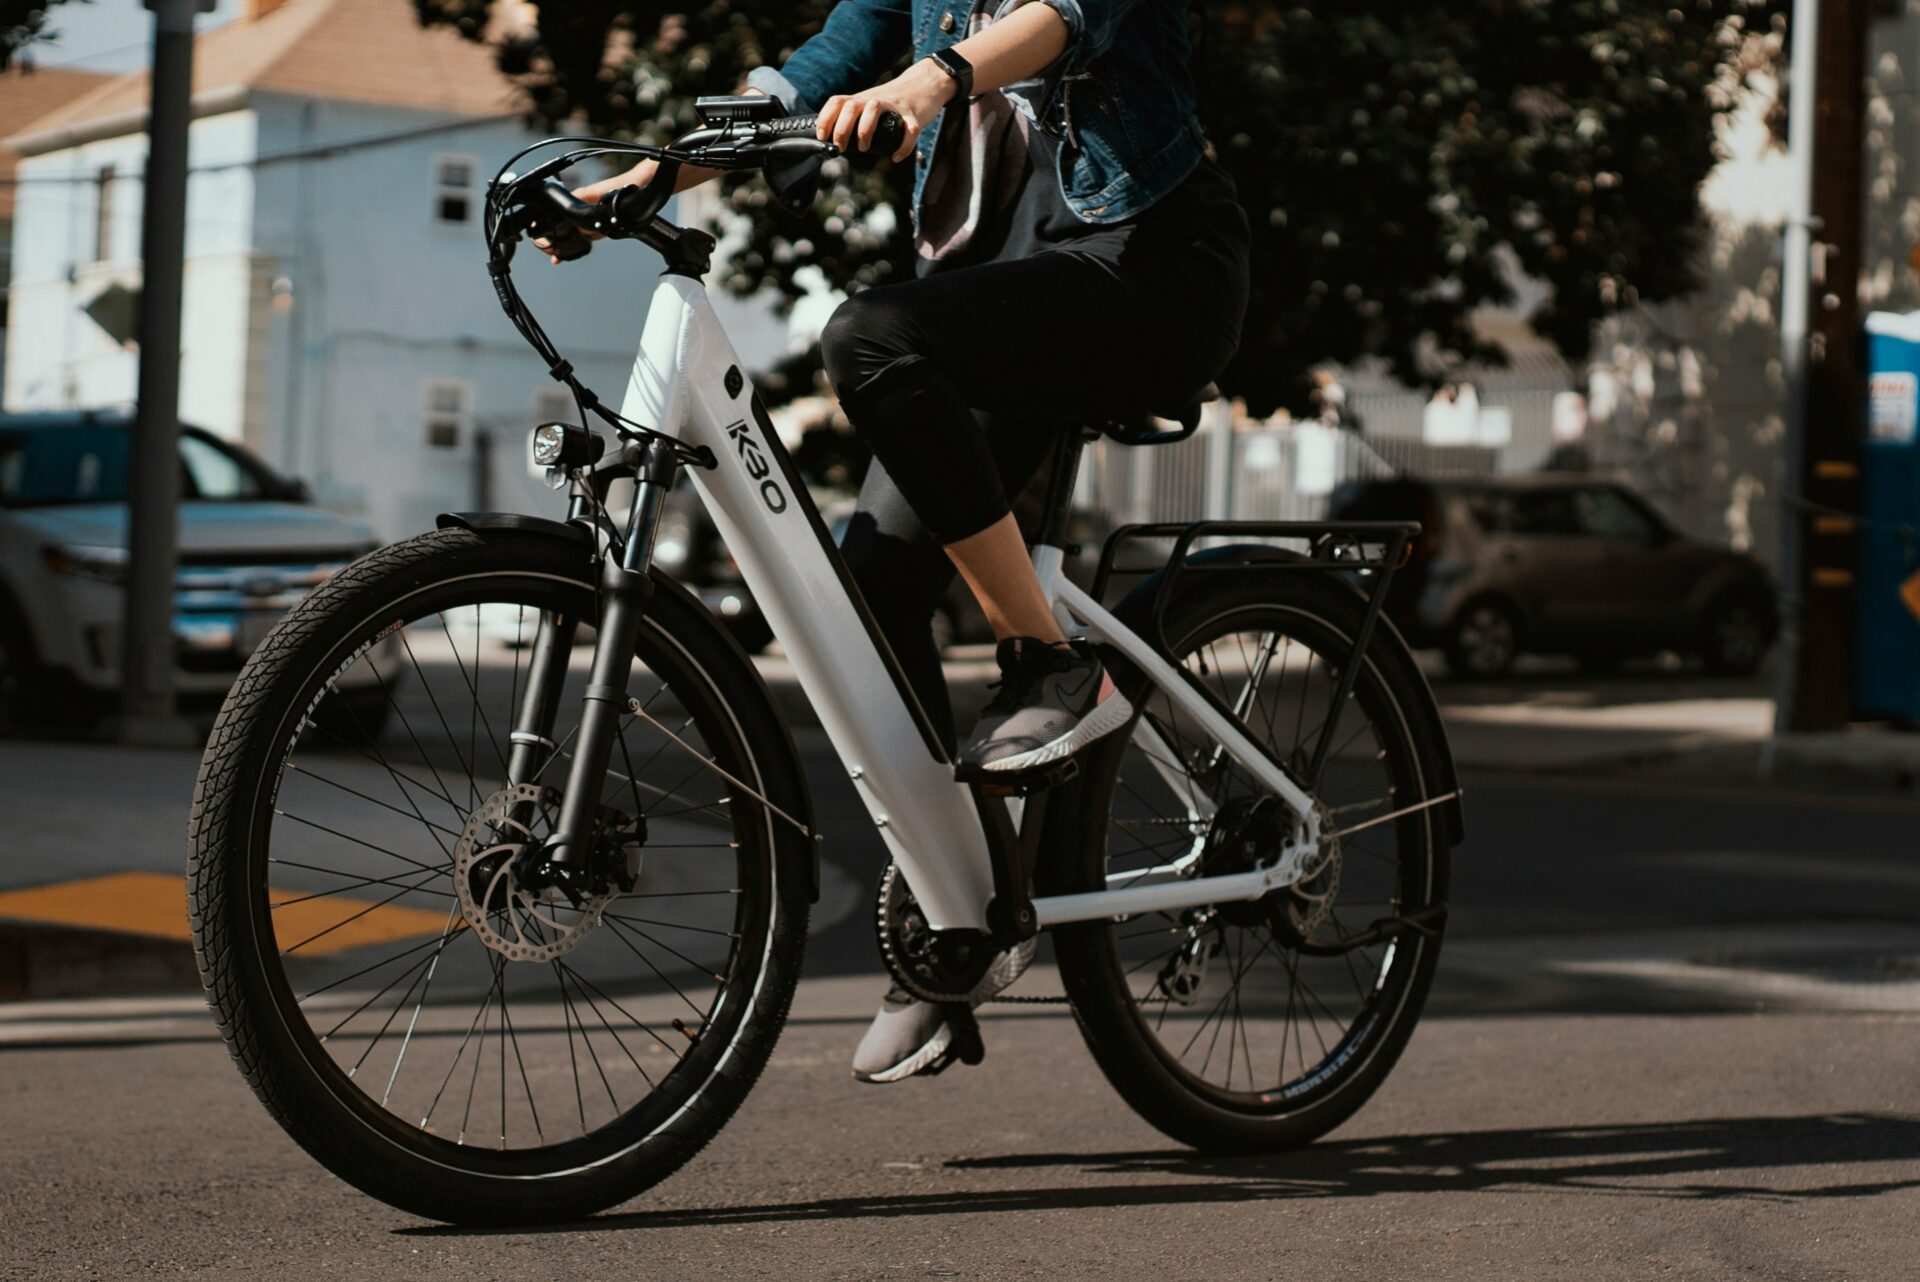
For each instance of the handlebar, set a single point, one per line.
(784, 147)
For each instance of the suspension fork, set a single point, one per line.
(625, 588)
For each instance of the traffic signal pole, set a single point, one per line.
(1823, 359)
(147, 649)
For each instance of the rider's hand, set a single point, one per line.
(639, 175)
(915, 95)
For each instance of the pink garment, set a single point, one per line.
(978, 174)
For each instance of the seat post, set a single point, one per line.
(1061, 481)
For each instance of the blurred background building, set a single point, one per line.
(338, 317)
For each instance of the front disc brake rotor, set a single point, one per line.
(513, 920)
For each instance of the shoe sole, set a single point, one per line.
(936, 1047)
(1102, 721)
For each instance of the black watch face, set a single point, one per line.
(958, 67)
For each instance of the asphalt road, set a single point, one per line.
(1673, 1035)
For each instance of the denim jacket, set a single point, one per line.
(1120, 97)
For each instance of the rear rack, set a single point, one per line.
(1333, 546)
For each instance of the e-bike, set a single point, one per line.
(514, 945)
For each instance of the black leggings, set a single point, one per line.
(1048, 341)
(959, 383)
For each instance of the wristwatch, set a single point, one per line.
(956, 66)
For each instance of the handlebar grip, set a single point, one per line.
(887, 133)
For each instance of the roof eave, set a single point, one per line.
(38, 142)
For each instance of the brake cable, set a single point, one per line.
(503, 193)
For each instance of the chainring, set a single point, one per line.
(944, 966)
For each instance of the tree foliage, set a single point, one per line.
(1402, 163)
(22, 23)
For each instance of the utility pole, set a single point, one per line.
(147, 652)
(1823, 358)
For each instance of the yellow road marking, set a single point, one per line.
(155, 905)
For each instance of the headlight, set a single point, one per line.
(549, 443)
(87, 561)
(564, 445)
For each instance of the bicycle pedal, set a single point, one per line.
(1029, 782)
(967, 1045)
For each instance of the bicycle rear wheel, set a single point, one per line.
(1263, 1025)
(431, 1032)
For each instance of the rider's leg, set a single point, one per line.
(1052, 338)
(995, 565)
(904, 575)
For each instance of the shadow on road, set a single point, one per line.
(1654, 1160)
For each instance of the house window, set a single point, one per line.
(554, 405)
(449, 413)
(103, 214)
(452, 188)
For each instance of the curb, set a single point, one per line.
(39, 962)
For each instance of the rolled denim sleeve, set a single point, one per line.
(1091, 25)
(850, 52)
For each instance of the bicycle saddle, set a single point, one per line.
(1145, 430)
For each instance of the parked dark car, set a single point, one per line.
(1553, 564)
(252, 544)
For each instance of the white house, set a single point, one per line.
(338, 315)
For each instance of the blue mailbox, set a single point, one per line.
(1886, 665)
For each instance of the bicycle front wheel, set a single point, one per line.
(453, 1044)
(1256, 1026)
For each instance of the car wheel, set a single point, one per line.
(10, 682)
(18, 704)
(1734, 637)
(1483, 642)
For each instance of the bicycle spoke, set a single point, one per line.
(433, 700)
(392, 854)
(429, 825)
(405, 890)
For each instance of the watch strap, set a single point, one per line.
(957, 66)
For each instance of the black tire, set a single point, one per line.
(1736, 630)
(1097, 961)
(705, 1072)
(1483, 640)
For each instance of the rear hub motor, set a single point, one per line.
(1249, 833)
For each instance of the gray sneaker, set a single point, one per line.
(907, 1036)
(910, 1037)
(1046, 707)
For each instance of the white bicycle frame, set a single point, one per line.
(687, 383)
